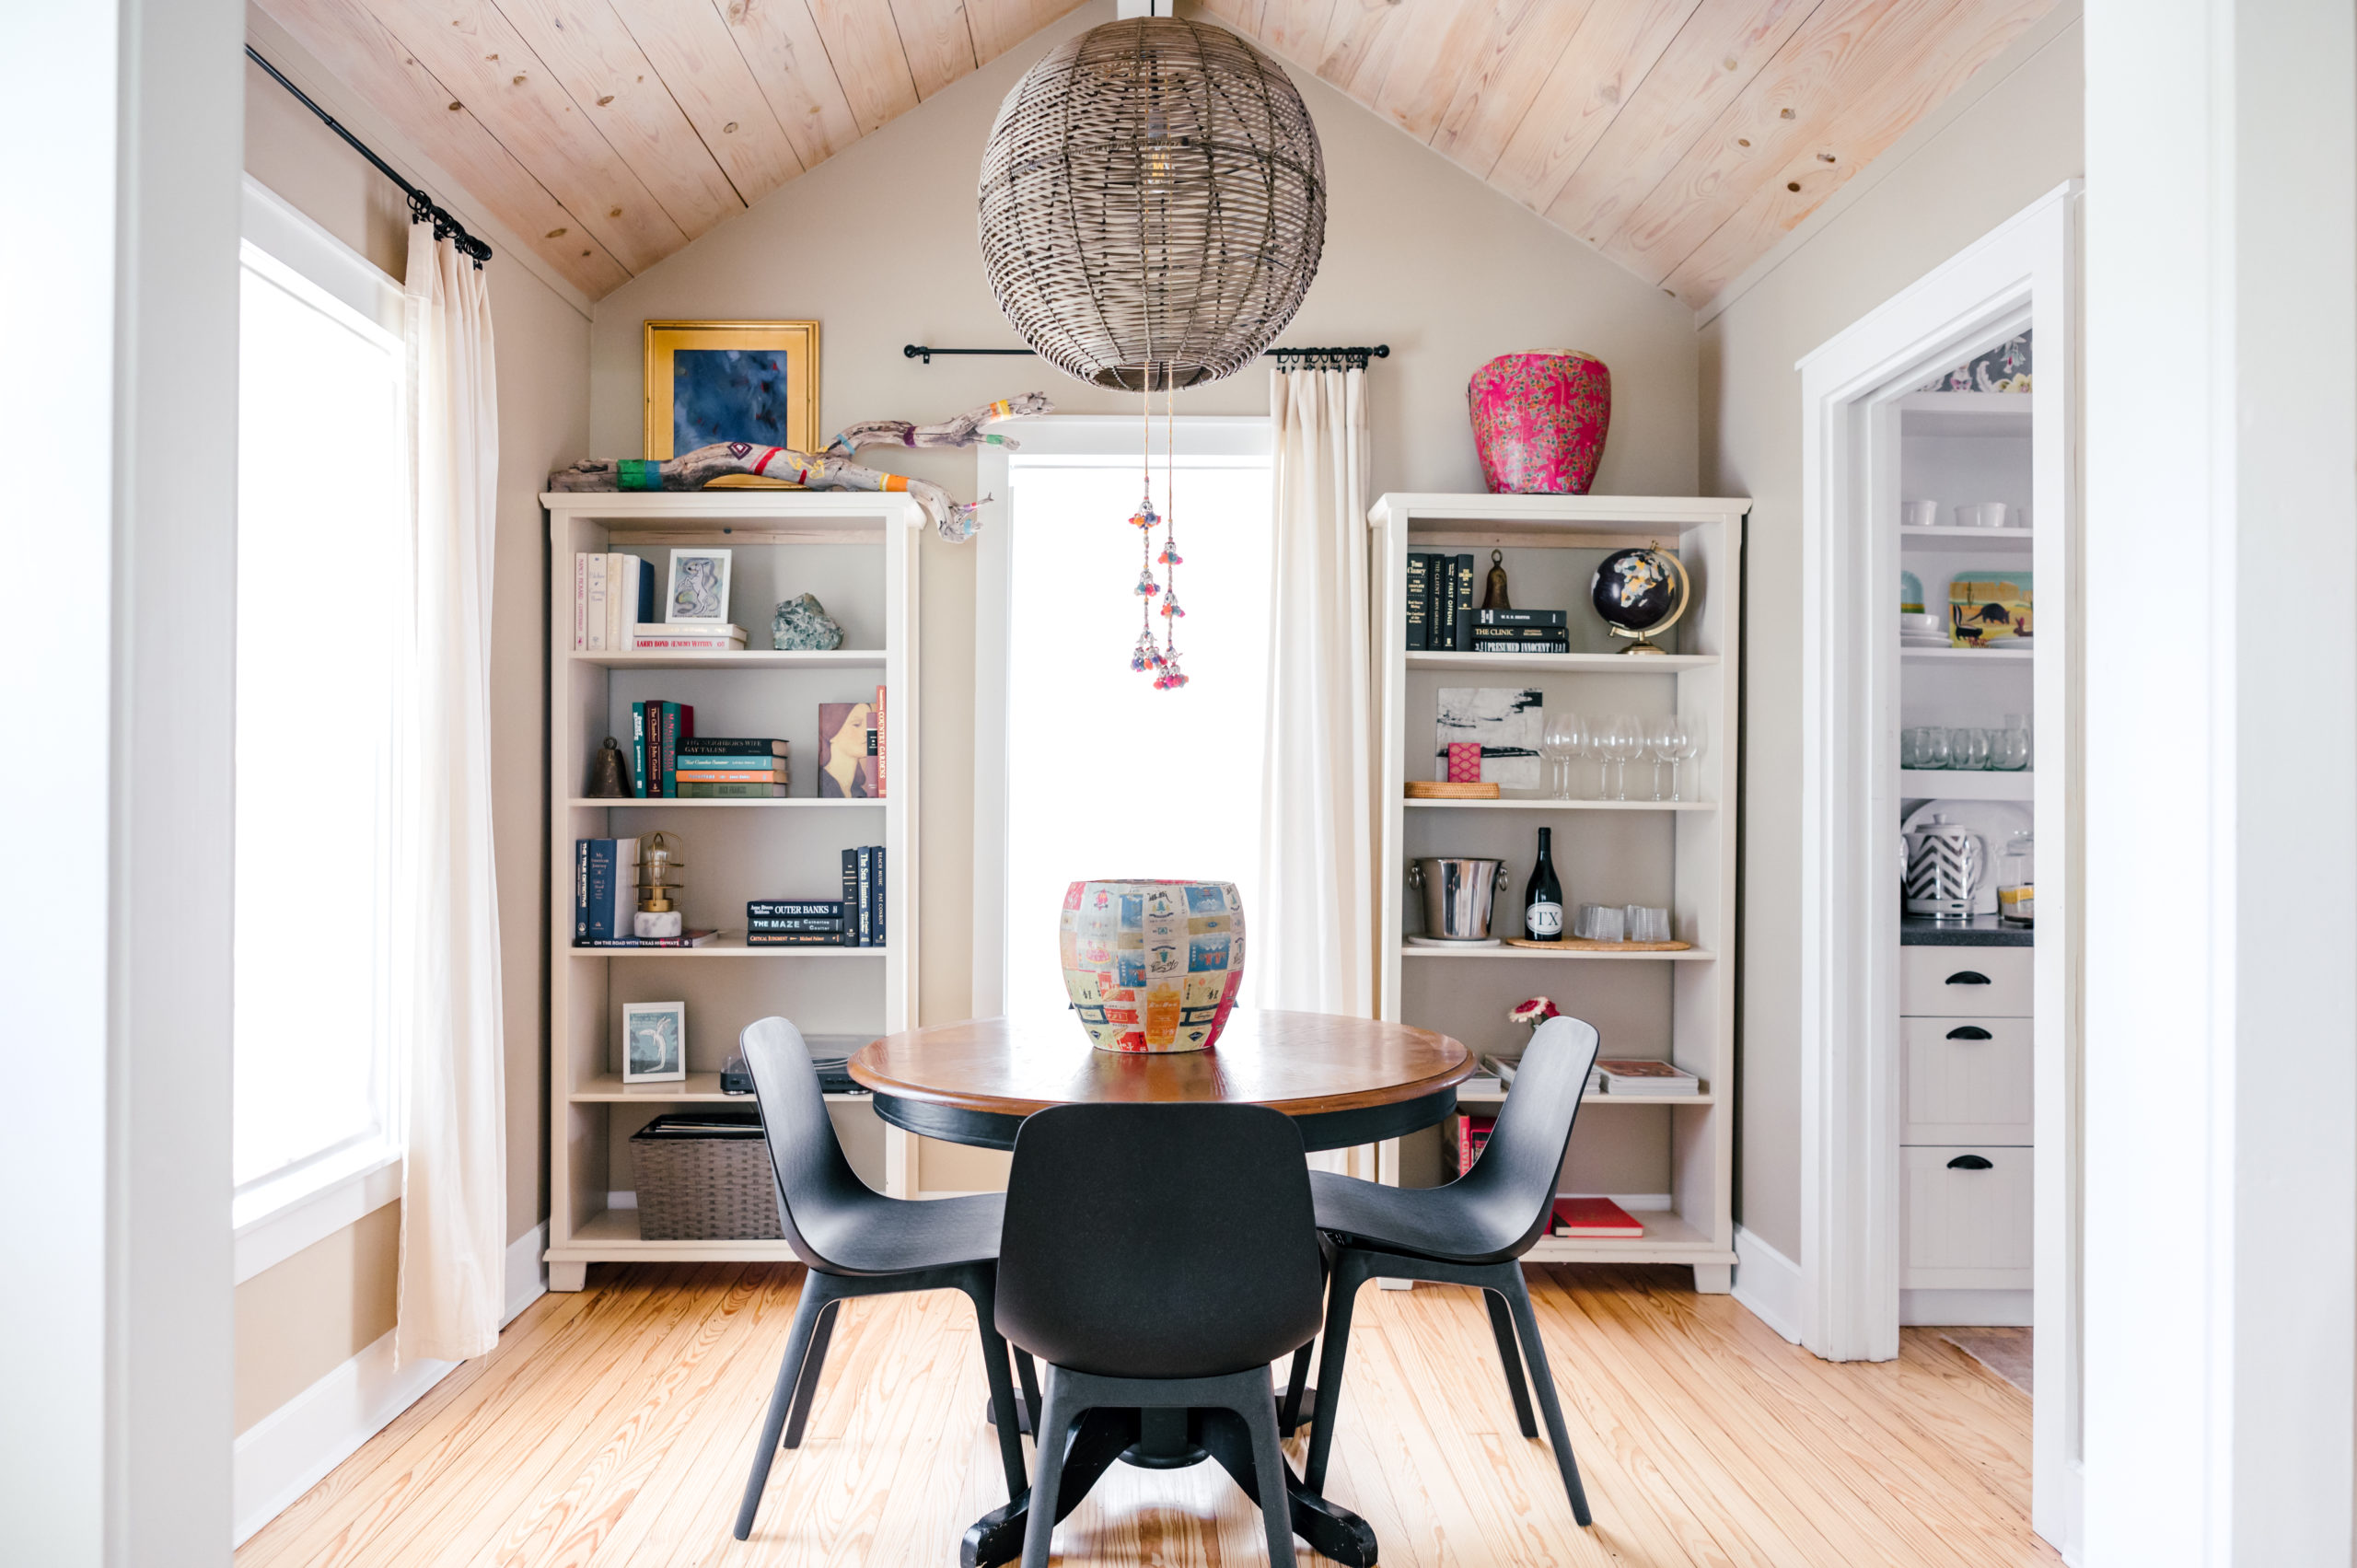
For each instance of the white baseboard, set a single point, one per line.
(1768, 1283)
(1966, 1308)
(285, 1453)
(527, 1276)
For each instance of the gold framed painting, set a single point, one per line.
(709, 381)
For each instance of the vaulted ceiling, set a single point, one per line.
(1681, 138)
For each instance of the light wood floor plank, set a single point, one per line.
(615, 1428)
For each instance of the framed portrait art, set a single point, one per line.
(709, 381)
(654, 1042)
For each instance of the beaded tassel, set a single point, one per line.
(1171, 676)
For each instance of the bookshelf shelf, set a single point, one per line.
(1967, 655)
(753, 659)
(860, 555)
(1680, 854)
(666, 802)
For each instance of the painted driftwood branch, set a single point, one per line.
(830, 470)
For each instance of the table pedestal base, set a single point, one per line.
(1168, 1440)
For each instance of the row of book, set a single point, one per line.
(855, 920)
(669, 760)
(613, 611)
(605, 899)
(1442, 616)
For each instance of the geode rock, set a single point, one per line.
(803, 625)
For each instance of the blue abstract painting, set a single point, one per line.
(728, 394)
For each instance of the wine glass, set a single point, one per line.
(1677, 741)
(1623, 743)
(1590, 749)
(1559, 744)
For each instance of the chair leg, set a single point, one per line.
(1501, 1325)
(1518, 1302)
(1003, 1415)
(806, 1388)
(1054, 1429)
(1269, 1469)
(1289, 1421)
(1349, 1272)
(1027, 1373)
(816, 1299)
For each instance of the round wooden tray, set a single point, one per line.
(1580, 945)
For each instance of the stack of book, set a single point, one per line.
(721, 769)
(656, 728)
(864, 897)
(1440, 602)
(656, 637)
(1623, 1076)
(611, 594)
(1520, 631)
(605, 897)
(794, 923)
(1473, 1137)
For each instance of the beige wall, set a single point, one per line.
(2017, 142)
(879, 245)
(542, 343)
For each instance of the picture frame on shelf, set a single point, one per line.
(654, 1042)
(751, 382)
(698, 589)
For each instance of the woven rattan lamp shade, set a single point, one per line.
(1152, 203)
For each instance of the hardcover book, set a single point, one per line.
(1518, 618)
(1473, 1137)
(847, 752)
(1463, 638)
(732, 792)
(1631, 1076)
(693, 938)
(730, 746)
(1592, 1216)
(782, 907)
(1419, 587)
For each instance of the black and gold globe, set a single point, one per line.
(1639, 592)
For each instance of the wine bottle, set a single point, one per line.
(1543, 913)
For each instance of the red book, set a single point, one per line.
(1473, 1137)
(1592, 1216)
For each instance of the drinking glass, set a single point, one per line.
(1933, 747)
(1968, 749)
(1674, 742)
(1647, 923)
(1602, 922)
(2010, 748)
(1623, 743)
(1559, 744)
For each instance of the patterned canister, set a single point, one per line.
(1946, 865)
(1152, 965)
(1539, 421)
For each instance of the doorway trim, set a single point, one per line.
(2022, 274)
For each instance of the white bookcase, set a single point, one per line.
(1670, 1161)
(858, 553)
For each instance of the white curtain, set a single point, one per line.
(1314, 948)
(446, 961)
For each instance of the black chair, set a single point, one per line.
(1159, 1257)
(858, 1242)
(1471, 1232)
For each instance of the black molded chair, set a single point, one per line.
(858, 1242)
(1159, 1257)
(1471, 1232)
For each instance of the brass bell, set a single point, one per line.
(607, 778)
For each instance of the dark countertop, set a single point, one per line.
(1980, 931)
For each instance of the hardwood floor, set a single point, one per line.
(615, 1426)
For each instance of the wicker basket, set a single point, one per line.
(704, 1178)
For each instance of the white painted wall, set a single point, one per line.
(115, 1336)
(879, 244)
(2221, 883)
(2015, 137)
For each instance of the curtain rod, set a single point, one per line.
(423, 208)
(1313, 358)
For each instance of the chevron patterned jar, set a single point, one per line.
(1152, 966)
(1946, 866)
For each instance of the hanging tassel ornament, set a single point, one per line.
(1171, 676)
(1148, 587)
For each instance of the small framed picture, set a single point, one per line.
(654, 1041)
(699, 593)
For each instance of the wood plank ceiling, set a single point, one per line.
(1681, 138)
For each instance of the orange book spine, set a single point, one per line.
(691, 775)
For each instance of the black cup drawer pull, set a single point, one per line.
(1970, 1031)
(1969, 1162)
(1966, 977)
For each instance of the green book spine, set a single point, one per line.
(731, 792)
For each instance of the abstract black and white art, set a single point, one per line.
(1504, 721)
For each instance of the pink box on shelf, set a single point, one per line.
(1464, 762)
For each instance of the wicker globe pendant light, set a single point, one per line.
(1152, 203)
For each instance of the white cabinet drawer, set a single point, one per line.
(1965, 1218)
(1965, 1080)
(1964, 982)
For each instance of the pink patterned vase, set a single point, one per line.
(1539, 420)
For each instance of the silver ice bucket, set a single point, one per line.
(1458, 892)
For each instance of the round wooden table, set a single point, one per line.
(1344, 1081)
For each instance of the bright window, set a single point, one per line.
(1108, 777)
(320, 503)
